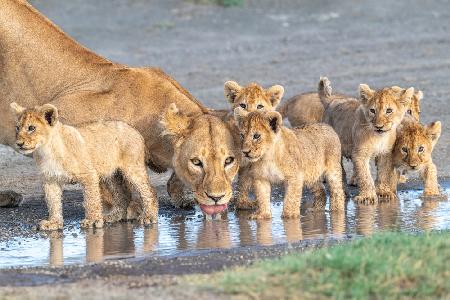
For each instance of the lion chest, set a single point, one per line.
(270, 171)
(51, 168)
(382, 145)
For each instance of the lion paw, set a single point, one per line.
(246, 204)
(368, 198)
(148, 219)
(290, 214)
(402, 179)
(431, 192)
(92, 223)
(50, 225)
(260, 216)
(386, 196)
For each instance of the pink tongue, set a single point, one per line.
(213, 209)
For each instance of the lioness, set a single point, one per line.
(307, 108)
(88, 88)
(87, 154)
(202, 144)
(367, 129)
(413, 149)
(294, 156)
(250, 98)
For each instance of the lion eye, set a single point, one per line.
(409, 112)
(372, 110)
(229, 160)
(260, 106)
(256, 136)
(17, 128)
(31, 128)
(242, 136)
(421, 149)
(243, 105)
(196, 162)
(389, 110)
(404, 149)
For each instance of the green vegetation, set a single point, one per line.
(226, 3)
(388, 265)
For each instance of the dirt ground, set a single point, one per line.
(287, 42)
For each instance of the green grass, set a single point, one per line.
(388, 265)
(226, 3)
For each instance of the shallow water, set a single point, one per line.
(176, 235)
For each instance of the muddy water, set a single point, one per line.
(178, 234)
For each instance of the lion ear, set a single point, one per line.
(433, 131)
(16, 108)
(231, 89)
(405, 96)
(365, 93)
(239, 114)
(275, 94)
(175, 122)
(50, 113)
(418, 96)
(275, 120)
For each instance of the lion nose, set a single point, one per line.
(413, 166)
(379, 127)
(215, 198)
(20, 144)
(246, 153)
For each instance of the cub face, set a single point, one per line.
(258, 132)
(253, 97)
(34, 126)
(205, 156)
(384, 109)
(414, 145)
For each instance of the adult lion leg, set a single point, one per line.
(115, 192)
(292, 198)
(10, 199)
(138, 177)
(429, 177)
(92, 202)
(244, 186)
(53, 194)
(175, 189)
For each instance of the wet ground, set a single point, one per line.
(184, 232)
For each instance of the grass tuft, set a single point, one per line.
(387, 265)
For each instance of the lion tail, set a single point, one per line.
(324, 89)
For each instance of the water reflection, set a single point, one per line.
(173, 235)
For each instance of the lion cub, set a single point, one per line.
(87, 154)
(307, 108)
(297, 157)
(412, 152)
(367, 130)
(252, 97)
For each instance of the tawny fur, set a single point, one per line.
(205, 155)
(252, 97)
(86, 87)
(367, 130)
(413, 152)
(295, 157)
(307, 108)
(87, 155)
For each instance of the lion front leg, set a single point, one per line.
(429, 177)
(367, 192)
(262, 190)
(293, 198)
(175, 189)
(53, 195)
(92, 202)
(387, 178)
(244, 187)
